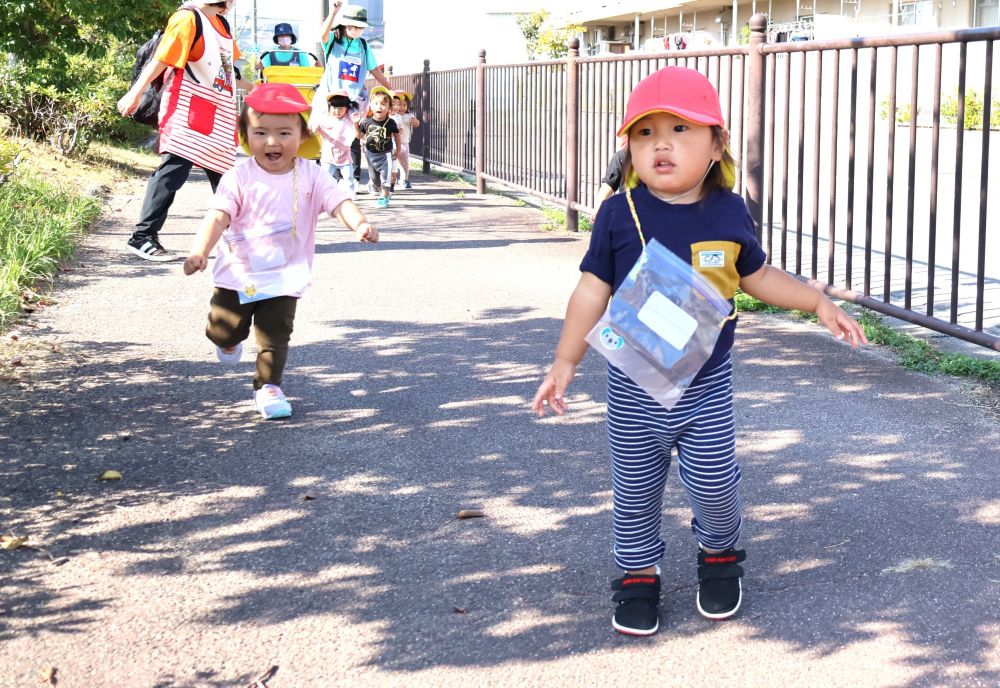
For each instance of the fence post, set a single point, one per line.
(572, 137)
(756, 96)
(425, 108)
(481, 123)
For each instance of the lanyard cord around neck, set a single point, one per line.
(642, 238)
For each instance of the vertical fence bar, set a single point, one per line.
(889, 171)
(425, 106)
(984, 179)
(818, 133)
(800, 184)
(784, 167)
(572, 139)
(911, 178)
(834, 154)
(756, 94)
(769, 170)
(870, 177)
(956, 233)
(851, 150)
(481, 123)
(935, 154)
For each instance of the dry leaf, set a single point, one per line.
(49, 675)
(460, 610)
(11, 542)
(470, 513)
(14, 362)
(110, 475)
(307, 496)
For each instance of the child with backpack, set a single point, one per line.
(262, 227)
(349, 62)
(677, 147)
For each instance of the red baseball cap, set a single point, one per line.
(677, 90)
(276, 99)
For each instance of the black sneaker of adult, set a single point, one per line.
(719, 588)
(149, 248)
(638, 600)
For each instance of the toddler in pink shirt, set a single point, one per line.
(262, 227)
(337, 133)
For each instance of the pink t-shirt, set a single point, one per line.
(337, 135)
(264, 253)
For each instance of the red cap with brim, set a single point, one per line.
(677, 90)
(276, 99)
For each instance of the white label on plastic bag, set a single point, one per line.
(667, 320)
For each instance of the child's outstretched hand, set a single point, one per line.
(841, 325)
(195, 263)
(366, 231)
(550, 392)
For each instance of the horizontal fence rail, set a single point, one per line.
(850, 155)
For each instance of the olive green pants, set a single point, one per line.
(229, 324)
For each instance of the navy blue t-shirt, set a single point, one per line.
(715, 235)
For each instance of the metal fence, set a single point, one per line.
(819, 129)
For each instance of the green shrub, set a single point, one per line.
(903, 113)
(974, 103)
(72, 102)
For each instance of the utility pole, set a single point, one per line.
(253, 24)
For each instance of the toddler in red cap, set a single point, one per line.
(262, 227)
(679, 176)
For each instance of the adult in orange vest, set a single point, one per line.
(197, 112)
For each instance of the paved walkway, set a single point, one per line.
(871, 492)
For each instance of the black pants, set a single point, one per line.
(160, 191)
(356, 159)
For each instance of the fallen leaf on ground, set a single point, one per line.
(110, 475)
(49, 675)
(470, 513)
(14, 362)
(460, 610)
(307, 496)
(12, 542)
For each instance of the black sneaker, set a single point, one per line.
(150, 249)
(719, 588)
(638, 600)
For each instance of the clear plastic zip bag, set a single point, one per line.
(661, 325)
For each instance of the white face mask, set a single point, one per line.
(284, 41)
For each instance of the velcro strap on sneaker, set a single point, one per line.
(716, 571)
(635, 591)
(730, 556)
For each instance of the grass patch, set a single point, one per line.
(39, 227)
(47, 205)
(916, 354)
(554, 219)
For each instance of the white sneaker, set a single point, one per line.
(270, 401)
(229, 356)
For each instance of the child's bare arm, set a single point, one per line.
(328, 22)
(351, 215)
(778, 288)
(211, 229)
(586, 305)
(397, 142)
(414, 122)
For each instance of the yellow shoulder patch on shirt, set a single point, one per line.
(716, 261)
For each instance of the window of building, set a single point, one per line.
(919, 13)
(987, 13)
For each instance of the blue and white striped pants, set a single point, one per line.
(642, 434)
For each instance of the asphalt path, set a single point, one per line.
(325, 550)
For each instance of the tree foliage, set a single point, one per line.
(56, 29)
(543, 38)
